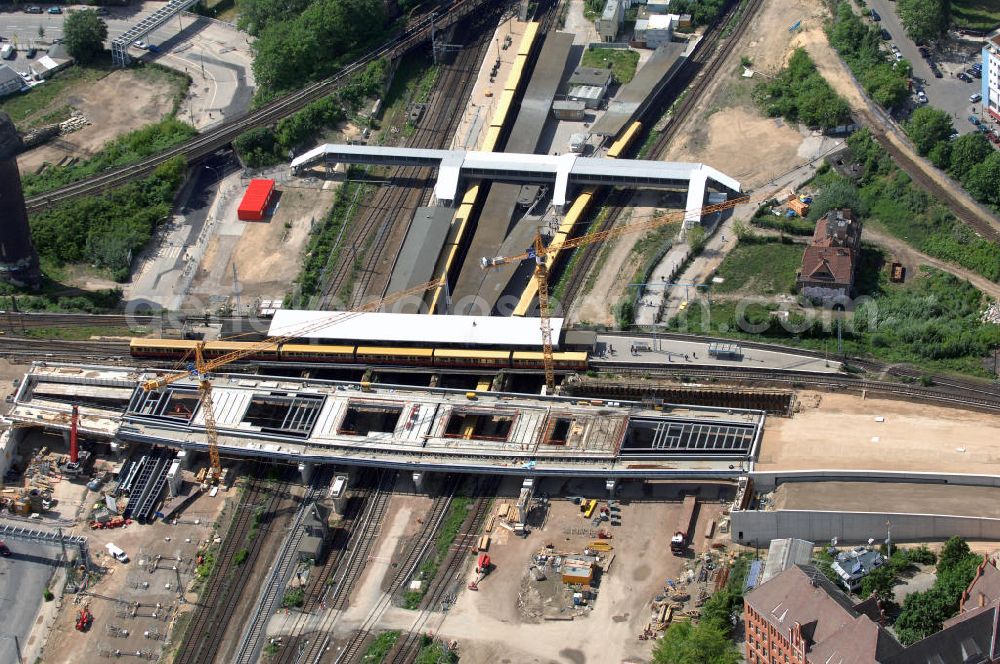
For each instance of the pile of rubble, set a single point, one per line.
(992, 314)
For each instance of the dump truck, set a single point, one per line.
(682, 534)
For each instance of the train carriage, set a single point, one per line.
(390, 355)
(448, 357)
(317, 353)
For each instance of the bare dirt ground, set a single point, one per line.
(149, 100)
(65, 645)
(730, 134)
(914, 437)
(615, 270)
(267, 254)
(488, 625)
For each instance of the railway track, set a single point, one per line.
(13, 321)
(228, 578)
(210, 141)
(19, 347)
(705, 62)
(347, 569)
(440, 592)
(385, 220)
(834, 382)
(405, 570)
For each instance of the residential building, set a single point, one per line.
(611, 20)
(800, 617)
(991, 78)
(830, 262)
(984, 588)
(853, 566)
(658, 6)
(55, 60)
(10, 81)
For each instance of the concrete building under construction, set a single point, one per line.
(18, 258)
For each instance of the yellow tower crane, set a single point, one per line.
(203, 367)
(540, 250)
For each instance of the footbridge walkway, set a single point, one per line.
(561, 172)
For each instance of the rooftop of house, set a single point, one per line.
(973, 639)
(834, 265)
(837, 228)
(802, 594)
(985, 587)
(855, 564)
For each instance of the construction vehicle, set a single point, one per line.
(483, 566)
(84, 620)
(201, 368)
(682, 534)
(74, 465)
(539, 251)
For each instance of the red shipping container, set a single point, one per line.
(255, 200)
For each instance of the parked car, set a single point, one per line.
(55, 10)
(875, 16)
(33, 9)
(974, 120)
(885, 34)
(924, 51)
(962, 76)
(975, 98)
(898, 56)
(973, 72)
(153, 48)
(922, 97)
(140, 44)
(937, 72)
(101, 11)
(32, 52)
(4, 550)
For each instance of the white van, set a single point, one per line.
(7, 52)
(116, 553)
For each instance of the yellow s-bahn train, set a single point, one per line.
(180, 349)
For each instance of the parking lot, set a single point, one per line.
(23, 578)
(947, 93)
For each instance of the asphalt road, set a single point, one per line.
(22, 579)
(215, 54)
(949, 93)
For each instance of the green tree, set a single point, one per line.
(879, 582)
(84, 33)
(704, 643)
(924, 20)
(966, 152)
(927, 127)
(983, 180)
(840, 193)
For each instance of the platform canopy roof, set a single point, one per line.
(420, 329)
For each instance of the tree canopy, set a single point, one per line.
(799, 93)
(704, 643)
(928, 126)
(967, 152)
(292, 48)
(859, 44)
(924, 612)
(84, 33)
(924, 20)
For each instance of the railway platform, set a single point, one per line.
(650, 350)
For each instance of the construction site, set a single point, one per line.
(444, 451)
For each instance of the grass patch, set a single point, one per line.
(380, 647)
(434, 652)
(909, 213)
(932, 322)
(296, 597)
(124, 150)
(767, 268)
(32, 108)
(76, 333)
(979, 15)
(204, 569)
(623, 62)
(450, 525)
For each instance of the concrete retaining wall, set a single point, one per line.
(768, 481)
(749, 527)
